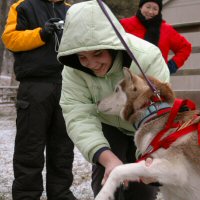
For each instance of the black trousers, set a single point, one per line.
(123, 146)
(40, 126)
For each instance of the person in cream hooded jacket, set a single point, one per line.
(97, 135)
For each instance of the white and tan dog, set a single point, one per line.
(177, 167)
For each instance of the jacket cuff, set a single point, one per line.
(98, 153)
(172, 66)
(45, 36)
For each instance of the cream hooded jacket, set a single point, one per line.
(86, 28)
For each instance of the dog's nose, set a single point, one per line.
(98, 103)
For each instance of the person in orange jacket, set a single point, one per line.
(149, 25)
(32, 32)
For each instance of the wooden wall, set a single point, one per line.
(184, 15)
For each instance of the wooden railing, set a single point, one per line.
(185, 93)
(188, 72)
(186, 81)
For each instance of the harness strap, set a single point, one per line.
(178, 103)
(157, 142)
(166, 142)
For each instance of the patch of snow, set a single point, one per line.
(81, 168)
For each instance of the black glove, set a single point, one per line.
(172, 66)
(48, 29)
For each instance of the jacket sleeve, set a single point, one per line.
(129, 25)
(151, 61)
(80, 114)
(180, 47)
(125, 23)
(23, 39)
(157, 66)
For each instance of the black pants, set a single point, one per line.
(123, 146)
(40, 125)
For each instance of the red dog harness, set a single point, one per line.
(181, 129)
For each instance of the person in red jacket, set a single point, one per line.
(149, 25)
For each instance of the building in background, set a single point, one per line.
(184, 16)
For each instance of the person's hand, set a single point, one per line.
(108, 169)
(48, 29)
(172, 66)
(109, 160)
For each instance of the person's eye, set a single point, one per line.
(82, 59)
(98, 53)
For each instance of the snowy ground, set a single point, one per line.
(81, 168)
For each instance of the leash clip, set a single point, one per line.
(157, 94)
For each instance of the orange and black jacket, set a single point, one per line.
(34, 58)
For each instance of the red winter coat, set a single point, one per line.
(170, 39)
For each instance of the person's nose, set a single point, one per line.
(91, 63)
(151, 11)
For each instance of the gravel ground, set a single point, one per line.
(81, 168)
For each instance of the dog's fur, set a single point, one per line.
(176, 168)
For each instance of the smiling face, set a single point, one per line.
(99, 61)
(149, 10)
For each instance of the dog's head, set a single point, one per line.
(132, 94)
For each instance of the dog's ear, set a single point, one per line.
(165, 89)
(128, 75)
